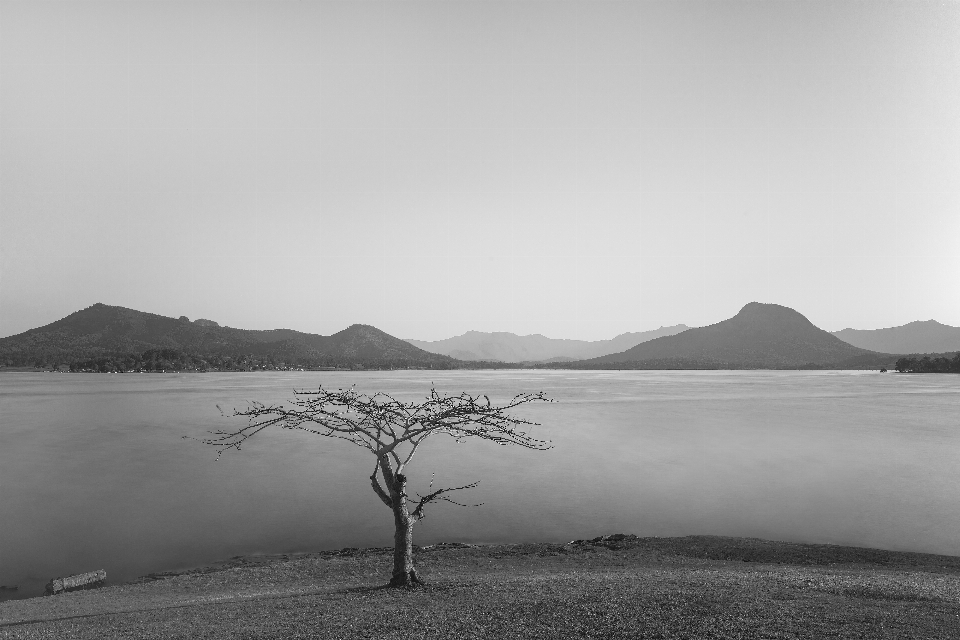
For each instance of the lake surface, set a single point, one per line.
(95, 474)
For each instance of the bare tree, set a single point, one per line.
(392, 430)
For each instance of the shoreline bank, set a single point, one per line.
(611, 584)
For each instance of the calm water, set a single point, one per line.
(94, 472)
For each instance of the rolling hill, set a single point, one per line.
(760, 336)
(103, 331)
(509, 347)
(915, 337)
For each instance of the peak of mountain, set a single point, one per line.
(919, 336)
(102, 330)
(760, 336)
(771, 310)
(503, 346)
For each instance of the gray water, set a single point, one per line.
(94, 473)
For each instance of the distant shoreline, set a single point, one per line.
(504, 368)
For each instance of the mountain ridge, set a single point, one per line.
(919, 336)
(760, 335)
(104, 331)
(504, 346)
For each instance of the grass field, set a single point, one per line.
(612, 587)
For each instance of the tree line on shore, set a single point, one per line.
(174, 360)
(926, 364)
(177, 360)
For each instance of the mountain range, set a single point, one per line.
(760, 336)
(915, 337)
(509, 347)
(106, 332)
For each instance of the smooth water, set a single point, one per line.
(95, 474)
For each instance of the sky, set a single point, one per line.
(574, 169)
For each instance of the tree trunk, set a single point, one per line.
(404, 575)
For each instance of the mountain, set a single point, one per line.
(760, 336)
(509, 347)
(916, 337)
(103, 331)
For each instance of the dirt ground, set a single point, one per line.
(611, 587)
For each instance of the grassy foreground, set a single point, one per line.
(612, 587)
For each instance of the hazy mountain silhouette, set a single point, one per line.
(509, 347)
(766, 336)
(916, 337)
(102, 330)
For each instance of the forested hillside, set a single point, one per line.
(108, 338)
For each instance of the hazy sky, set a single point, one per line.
(573, 169)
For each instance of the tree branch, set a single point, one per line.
(381, 423)
(413, 450)
(418, 514)
(379, 490)
(388, 475)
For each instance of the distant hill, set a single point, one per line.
(916, 337)
(509, 347)
(760, 336)
(103, 331)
